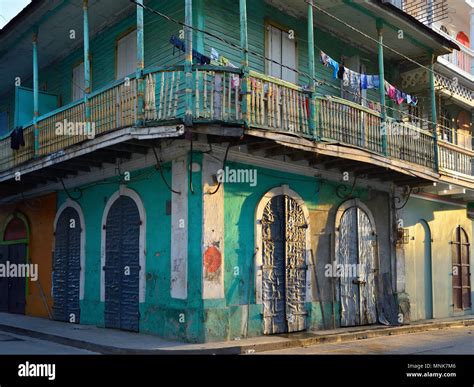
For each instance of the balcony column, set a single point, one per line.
(312, 83)
(87, 63)
(244, 43)
(140, 65)
(471, 36)
(434, 115)
(188, 64)
(35, 92)
(381, 85)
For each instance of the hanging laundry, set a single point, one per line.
(214, 55)
(340, 73)
(335, 66)
(16, 138)
(197, 56)
(346, 78)
(376, 81)
(324, 58)
(363, 81)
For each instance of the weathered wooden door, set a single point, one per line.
(122, 265)
(461, 270)
(67, 267)
(356, 256)
(12, 289)
(284, 266)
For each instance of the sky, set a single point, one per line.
(9, 9)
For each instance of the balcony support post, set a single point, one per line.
(35, 92)
(87, 63)
(140, 119)
(244, 43)
(383, 129)
(434, 115)
(188, 64)
(312, 83)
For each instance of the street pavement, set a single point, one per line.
(453, 341)
(11, 344)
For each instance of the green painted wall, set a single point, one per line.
(226, 318)
(159, 313)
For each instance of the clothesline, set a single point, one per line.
(365, 81)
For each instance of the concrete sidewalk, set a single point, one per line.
(109, 341)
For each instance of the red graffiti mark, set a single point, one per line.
(212, 259)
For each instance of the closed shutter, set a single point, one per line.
(127, 55)
(281, 50)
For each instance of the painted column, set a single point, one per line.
(35, 91)
(381, 86)
(87, 64)
(140, 64)
(179, 229)
(312, 84)
(244, 43)
(188, 64)
(201, 25)
(212, 231)
(471, 36)
(434, 115)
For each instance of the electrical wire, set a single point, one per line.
(299, 72)
(160, 169)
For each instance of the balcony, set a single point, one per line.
(274, 106)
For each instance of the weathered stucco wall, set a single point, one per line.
(40, 213)
(442, 220)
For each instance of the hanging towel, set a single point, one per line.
(214, 55)
(16, 138)
(346, 77)
(376, 81)
(335, 66)
(324, 58)
(340, 73)
(363, 81)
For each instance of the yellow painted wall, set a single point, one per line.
(442, 220)
(40, 213)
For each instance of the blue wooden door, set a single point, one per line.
(67, 267)
(122, 265)
(12, 289)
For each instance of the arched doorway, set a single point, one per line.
(423, 297)
(68, 263)
(13, 253)
(123, 267)
(356, 262)
(461, 270)
(282, 242)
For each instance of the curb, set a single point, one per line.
(243, 348)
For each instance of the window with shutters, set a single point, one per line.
(461, 270)
(126, 55)
(78, 82)
(281, 52)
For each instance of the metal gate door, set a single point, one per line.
(12, 289)
(122, 265)
(284, 267)
(356, 254)
(67, 267)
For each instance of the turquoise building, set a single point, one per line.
(215, 178)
